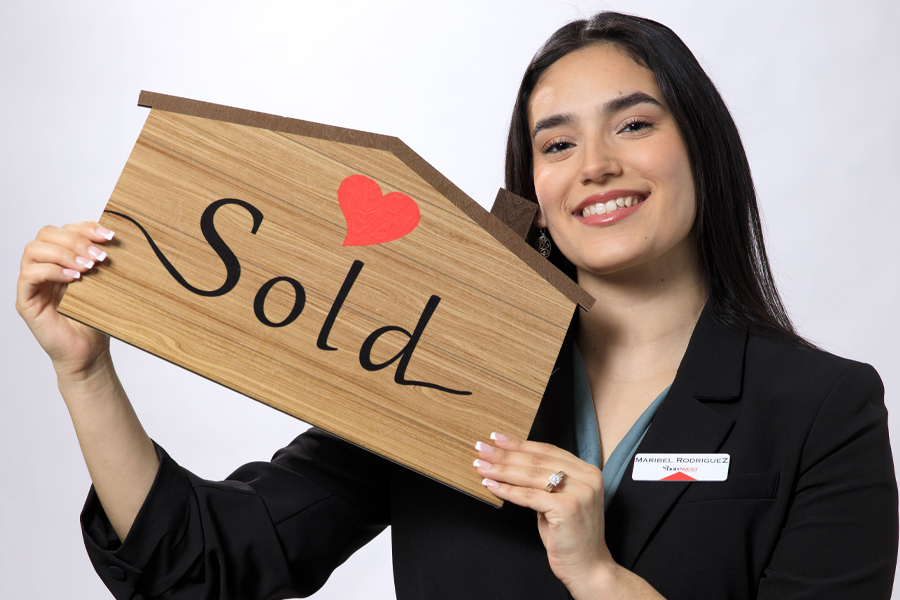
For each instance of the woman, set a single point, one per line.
(645, 193)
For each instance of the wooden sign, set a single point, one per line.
(333, 275)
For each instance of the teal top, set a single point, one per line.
(587, 436)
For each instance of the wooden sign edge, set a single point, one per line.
(494, 226)
(515, 211)
(490, 501)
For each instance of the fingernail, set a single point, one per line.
(97, 253)
(481, 464)
(482, 447)
(104, 232)
(499, 437)
(71, 273)
(87, 264)
(490, 483)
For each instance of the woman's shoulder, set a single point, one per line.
(790, 368)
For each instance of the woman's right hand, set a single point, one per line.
(119, 455)
(54, 259)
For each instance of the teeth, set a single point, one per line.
(603, 208)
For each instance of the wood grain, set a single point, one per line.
(495, 331)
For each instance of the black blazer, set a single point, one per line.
(809, 509)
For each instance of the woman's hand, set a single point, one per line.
(570, 515)
(54, 259)
(119, 455)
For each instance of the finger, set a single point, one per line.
(80, 238)
(44, 252)
(529, 497)
(30, 285)
(535, 454)
(34, 275)
(91, 230)
(535, 477)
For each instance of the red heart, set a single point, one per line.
(373, 218)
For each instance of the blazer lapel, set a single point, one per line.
(711, 370)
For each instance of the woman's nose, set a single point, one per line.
(598, 163)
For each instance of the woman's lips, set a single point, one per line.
(609, 207)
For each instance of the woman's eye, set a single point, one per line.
(556, 147)
(633, 126)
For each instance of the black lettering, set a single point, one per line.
(208, 228)
(349, 280)
(405, 354)
(259, 303)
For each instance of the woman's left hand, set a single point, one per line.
(570, 515)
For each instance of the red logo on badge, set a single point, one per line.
(679, 476)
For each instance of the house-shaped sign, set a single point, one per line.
(331, 274)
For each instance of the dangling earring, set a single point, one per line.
(542, 244)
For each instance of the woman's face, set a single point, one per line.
(602, 138)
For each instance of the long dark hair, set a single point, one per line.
(733, 263)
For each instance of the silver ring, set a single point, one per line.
(554, 480)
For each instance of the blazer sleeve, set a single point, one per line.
(271, 530)
(840, 536)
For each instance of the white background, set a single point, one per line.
(813, 86)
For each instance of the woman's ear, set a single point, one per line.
(539, 221)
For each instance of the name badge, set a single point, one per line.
(680, 467)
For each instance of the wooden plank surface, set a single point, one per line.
(487, 325)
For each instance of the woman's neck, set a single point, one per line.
(643, 318)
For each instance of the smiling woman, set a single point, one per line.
(643, 184)
(599, 119)
(688, 358)
(730, 251)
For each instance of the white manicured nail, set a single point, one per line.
(104, 233)
(482, 447)
(97, 253)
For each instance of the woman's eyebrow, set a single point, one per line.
(552, 121)
(606, 109)
(614, 106)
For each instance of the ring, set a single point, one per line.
(554, 480)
